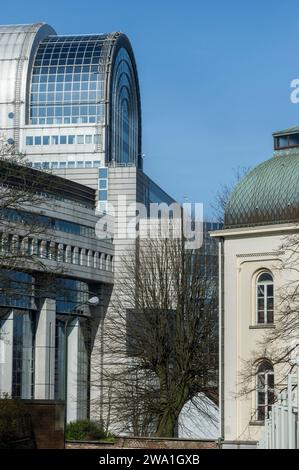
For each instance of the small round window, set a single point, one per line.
(11, 115)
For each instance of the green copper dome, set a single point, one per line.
(269, 194)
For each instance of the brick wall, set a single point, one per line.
(47, 421)
(144, 443)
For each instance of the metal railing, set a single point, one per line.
(281, 430)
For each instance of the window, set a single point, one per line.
(265, 298)
(54, 139)
(97, 139)
(285, 141)
(23, 355)
(103, 195)
(265, 389)
(103, 173)
(294, 140)
(60, 348)
(62, 140)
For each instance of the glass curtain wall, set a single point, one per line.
(23, 355)
(67, 86)
(125, 111)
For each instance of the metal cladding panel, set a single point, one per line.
(269, 194)
(16, 50)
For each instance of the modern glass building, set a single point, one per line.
(57, 265)
(71, 104)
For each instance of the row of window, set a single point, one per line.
(66, 69)
(62, 77)
(70, 164)
(103, 188)
(66, 96)
(70, 110)
(67, 120)
(55, 251)
(285, 141)
(31, 219)
(63, 139)
(264, 373)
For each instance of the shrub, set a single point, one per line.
(14, 423)
(84, 430)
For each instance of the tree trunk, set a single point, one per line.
(166, 425)
(167, 421)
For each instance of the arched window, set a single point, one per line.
(264, 298)
(265, 389)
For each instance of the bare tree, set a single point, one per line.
(224, 192)
(23, 193)
(161, 339)
(280, 345)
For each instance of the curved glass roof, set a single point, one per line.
(67, 85)
(268, 194)
(125, 111)
(89, 79)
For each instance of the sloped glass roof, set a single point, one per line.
(269, 194)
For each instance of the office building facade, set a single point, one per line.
(56, 264)
(71, 105)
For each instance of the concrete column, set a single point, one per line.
(34, 250)
(89, 258)
(83, 257)
(27, 356)
(112, 263)
(60, 253)
(43, 249)
(77, 369)
(15, 243)
(6, 351)
(45, 351)
(25, 245)
(52, 251)
(103, 261)
(68, 254)
(75, 259)
(96, 260)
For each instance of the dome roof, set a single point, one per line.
(269, 194)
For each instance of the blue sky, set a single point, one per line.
(214, 76)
